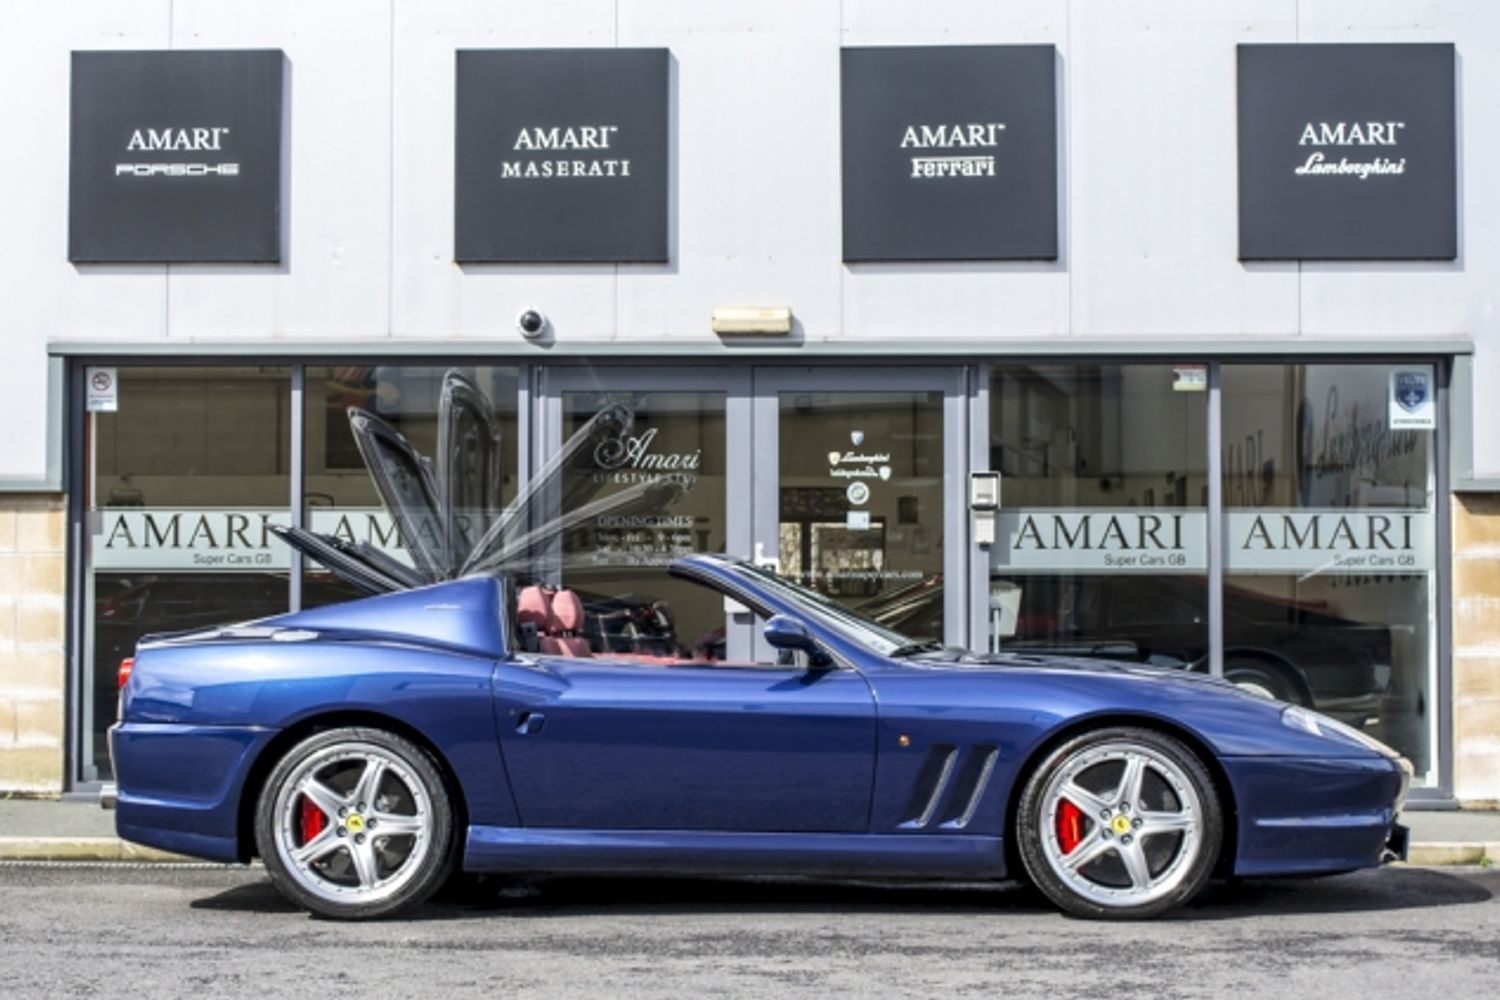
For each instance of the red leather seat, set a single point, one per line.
(533, 616)
(562, 638)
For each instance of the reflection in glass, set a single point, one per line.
(1332, 533)
(342, 499)
(616, 560)
(1101, 545)
(861, 503)
(184, 480)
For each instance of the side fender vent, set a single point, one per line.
(969, 787)
(928, 789)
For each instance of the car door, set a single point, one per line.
(611, 743)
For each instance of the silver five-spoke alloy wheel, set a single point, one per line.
(1115, 819)
(355, 823)
(1120, 822)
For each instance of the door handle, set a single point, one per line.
(530, 723)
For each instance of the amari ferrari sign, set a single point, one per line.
(176, 156)
(1347, 152)
(561, 155)
(950, 153)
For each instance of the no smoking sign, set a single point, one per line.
(102, 388)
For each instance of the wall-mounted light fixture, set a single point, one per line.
(759, 321)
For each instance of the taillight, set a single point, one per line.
(123, 674)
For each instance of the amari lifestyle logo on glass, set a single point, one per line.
(143, 142)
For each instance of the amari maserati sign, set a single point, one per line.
(950, 153)
(1347, 152)
(176, 156)
(561, 155)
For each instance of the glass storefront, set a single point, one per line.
(183, 479)
(656, 481)
(846, 482)
(1329, 587)
(1100, 541)
(860, 503)
(339, 497)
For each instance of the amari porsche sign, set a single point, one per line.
(561, 155)
(176, 156)
(950, 153)
(1347, 152)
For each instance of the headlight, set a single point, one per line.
(1316, 724)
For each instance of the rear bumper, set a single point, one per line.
(179, 787)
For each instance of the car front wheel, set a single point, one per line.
(355, 823)
(1119, 823)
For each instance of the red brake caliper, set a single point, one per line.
(313, 820)
(1069, 826)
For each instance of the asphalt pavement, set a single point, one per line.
(148, 931)
(77, 829)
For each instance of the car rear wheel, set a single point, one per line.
(355, 823)
(1119, 823)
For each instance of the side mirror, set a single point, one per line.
(787, 633)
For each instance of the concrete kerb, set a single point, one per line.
(1443, 854)
(84, 849)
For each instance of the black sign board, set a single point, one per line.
(1347, 152)
(950, 153)
(561, 155)
(176, 156)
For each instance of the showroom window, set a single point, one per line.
(1329, 587)
(184, 478)
(1100, 542)
(340, 499)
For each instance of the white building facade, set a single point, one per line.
(1218, 448)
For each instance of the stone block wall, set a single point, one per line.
(33, 615)
(1476, 649)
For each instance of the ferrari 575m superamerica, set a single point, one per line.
(467, 716)
(365, 750)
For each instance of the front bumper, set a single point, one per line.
(1305, 816)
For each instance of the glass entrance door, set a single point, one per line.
(644, 467)
(857, 490)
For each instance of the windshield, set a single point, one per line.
(828, 612)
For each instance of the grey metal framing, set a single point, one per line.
(752, 387)
(1216, 523)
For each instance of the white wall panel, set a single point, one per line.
(757, 208)
(334, 280)
(1148, 204)
(1153, 150)
(432, 296)
(46, 297)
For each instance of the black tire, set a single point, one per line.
(407, 764)
(1177, 881)
(1262, 679)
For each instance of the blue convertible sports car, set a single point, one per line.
(467, 716)
(366, 749)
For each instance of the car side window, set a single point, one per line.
(633, 628)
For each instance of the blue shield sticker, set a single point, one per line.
(1412, 390)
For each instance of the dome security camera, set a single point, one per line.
(531, 323)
